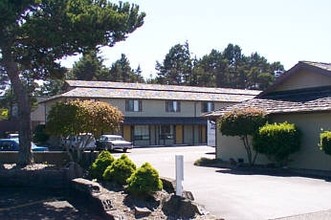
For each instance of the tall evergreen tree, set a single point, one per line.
(176, 68)
(121, 71)
(89, 67)
(34, 34)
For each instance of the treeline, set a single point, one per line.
(229, 68)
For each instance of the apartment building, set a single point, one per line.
(157, 114)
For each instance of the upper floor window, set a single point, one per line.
(172, 106)
(207, 106)
(133, 105)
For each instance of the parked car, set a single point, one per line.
(13, 135)
(12, 144)
(112, 142)
(81, 141)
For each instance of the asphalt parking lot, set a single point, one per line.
(241, 195)
(226, 193)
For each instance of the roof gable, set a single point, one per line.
(304, 74)
(306, 87)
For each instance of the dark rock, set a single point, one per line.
(169, 184)
(99, 197)
(142, 211)
(188, 195)
(180, 207)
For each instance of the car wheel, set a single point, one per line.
(125, 150)
(111, 147)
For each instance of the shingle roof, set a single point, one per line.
(155, 95)
(157, 87)
(301, 100)
(325, 66)
(98, 89)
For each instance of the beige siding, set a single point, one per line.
(153, 108)
(304, 79)
(156, 108)
(309, 157)
(38, 114)
(233, 148)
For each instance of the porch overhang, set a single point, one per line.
(165, 121)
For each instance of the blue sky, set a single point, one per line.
(280, 30)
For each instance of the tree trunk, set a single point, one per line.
(248, 149)
(24, 111)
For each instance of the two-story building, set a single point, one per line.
(157, 114)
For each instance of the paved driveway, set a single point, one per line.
(239, 195)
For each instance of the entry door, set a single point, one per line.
(179, 134)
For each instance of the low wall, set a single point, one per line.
(58, 158)
(45, 178)
(51, 170)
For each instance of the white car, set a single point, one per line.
(112, 142)
(81, 141)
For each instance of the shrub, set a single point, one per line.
(325, 142)
(120, 170)
(277, 141)
(145, 180)
(99, 166)
(242, 123)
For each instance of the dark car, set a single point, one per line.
(13, 145)
(111, 142)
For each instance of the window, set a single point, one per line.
(166, 132)
(172, 106)
(207, 106)
(133, 105)
(141, 132)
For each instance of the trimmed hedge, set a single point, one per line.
(241, 122)
(145, 180)
(100, 164)
(120, 170)
(277, 141)
(325, 142)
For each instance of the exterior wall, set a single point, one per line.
(304, 79)
(38, 114)
(183, 133)
(188, 134)
(228, 147)
(309, 156)
(156, 108)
